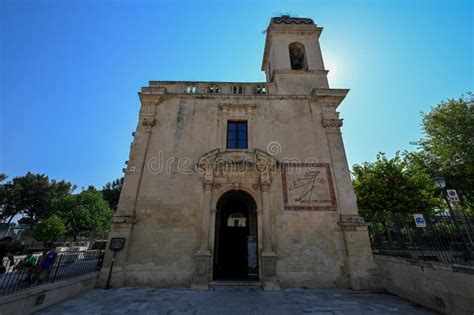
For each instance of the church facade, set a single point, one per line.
(243, 181)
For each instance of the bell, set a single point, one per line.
(296, 64)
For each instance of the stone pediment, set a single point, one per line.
(240, 160)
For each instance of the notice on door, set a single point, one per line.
(252, 251)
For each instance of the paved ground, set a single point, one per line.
(233, 301)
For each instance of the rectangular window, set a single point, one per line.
(237, 135)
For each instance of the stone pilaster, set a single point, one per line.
(124, 218)
(206, 214)
(268, 255)
(363, 274)
(267, 227)
(202, 274)
(347, 199)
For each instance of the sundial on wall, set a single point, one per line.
(308, 186)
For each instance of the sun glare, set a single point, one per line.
(331, 65)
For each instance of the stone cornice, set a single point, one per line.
(235, 96)
(299, 72)
(318, 96)
(123, 217)
(233, 106)
(156, 95)
(248, 108)
(351, 220)
(329, 98)
(158, 84)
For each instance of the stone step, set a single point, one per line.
(235, 284)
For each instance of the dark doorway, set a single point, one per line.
(235, 248)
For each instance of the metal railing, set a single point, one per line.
(22, 275)
(446, 238)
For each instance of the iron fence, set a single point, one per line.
(446, 238)
(23, 274)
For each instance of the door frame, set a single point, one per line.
(253, 215)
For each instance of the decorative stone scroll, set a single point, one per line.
(332, 124)
(230, 162)
(148, 123)
(308, 187)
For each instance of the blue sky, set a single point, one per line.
(71, 70)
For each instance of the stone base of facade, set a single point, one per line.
(270, 282)
(361, 267)
(202, 276)
(117, 280)
(203, 271)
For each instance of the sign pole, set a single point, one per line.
(110, 270)
(116, 244)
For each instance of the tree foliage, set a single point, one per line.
(447, 147)
(84, 214)
(2, 193)
(111, 192)
(32, 195)
(391, 186)
(49, 230)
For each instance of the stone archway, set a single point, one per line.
(250, 173)
(235, 248)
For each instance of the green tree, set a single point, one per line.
(111, 192)
(2, 194)
(49, 230)
(390, 186)
(86, 214)
(32, 196)
(447, 147)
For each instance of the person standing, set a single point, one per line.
(5, 251)
(27, 266)
(37, 268)
(47, 263)
(44, 267)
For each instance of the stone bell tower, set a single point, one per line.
(292, 57)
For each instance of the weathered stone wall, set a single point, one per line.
(37, 298)
(446, 288)
(310, 250)
(166, 237)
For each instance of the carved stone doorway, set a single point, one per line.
(235, 249)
